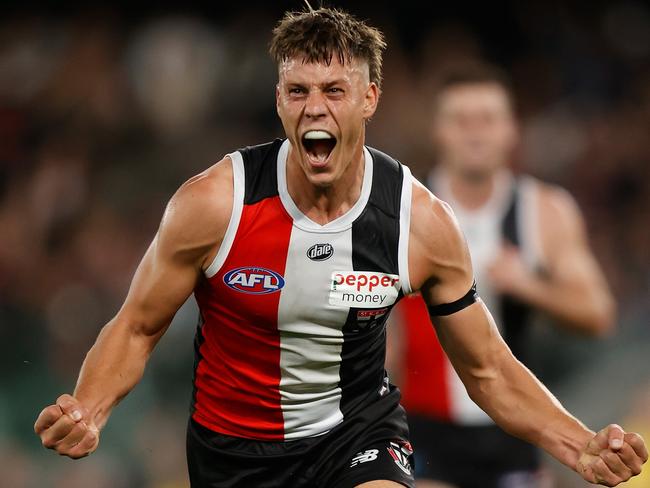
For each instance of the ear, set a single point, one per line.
(434, 126)
(515, 131)
(371, 100)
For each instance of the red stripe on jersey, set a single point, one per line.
(424, 387)
(237, 380)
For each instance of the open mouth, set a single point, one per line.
(319, 144)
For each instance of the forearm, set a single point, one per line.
(112, 368)
(523, 407)
(573, 306)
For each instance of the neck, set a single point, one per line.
(323, 204)
(472, 191)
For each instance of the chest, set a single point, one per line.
(279, 275)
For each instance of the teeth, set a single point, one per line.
(318, 134)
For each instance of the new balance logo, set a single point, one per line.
(364, 457)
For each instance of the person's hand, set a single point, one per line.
(612, 456)
(508, 272)
(67, 428)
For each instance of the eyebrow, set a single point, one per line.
(324, 85)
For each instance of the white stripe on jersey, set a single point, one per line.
(239, 188)
(311, 329)
(310, 357)
(528, 222)
(404, 231)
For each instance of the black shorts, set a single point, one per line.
(472, 457)
(372, 445)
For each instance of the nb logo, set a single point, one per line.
(364, 457)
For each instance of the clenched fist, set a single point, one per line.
(66, 427)
(612, 456)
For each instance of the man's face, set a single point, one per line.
(323, 110)
(474, 128)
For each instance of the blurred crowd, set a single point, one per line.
(103, 116)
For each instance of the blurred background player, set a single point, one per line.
(530, 254)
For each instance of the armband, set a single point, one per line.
(448, 308)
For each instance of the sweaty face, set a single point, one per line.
(323, 110)
(474, 128)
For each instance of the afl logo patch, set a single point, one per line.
(253, 280)
(320, 252)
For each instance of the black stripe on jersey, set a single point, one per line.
(514, 314)
(260, 167)
(375, 234)
(375, 241)
(198, 357)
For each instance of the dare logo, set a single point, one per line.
(254, 280)
(320, 252)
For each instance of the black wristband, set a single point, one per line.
(448, 308)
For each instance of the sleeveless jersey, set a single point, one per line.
(430, 385)
(291, 338)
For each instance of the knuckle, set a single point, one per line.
(63, 452)
(608, 479)
(90, 443)
(63, 399)
(67, 422)
(634, 439)
(48, 443)
(78, 454)
(53, 410)
(79, 429)
(48, 414)
(600, 466)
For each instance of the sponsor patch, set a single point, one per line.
(254, 280)
(363, 289)
(367, 315)
(320, 252)
(367, 319)
(400, 455)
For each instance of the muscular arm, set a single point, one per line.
(440, 266)
(573, 289)
(187, 239)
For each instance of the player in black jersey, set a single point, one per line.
(329, 68)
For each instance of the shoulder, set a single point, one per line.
(437, 247)
(198, 213)
(559, 212)
(432, 219)
(553, 198)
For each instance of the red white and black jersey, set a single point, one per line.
(292, 333)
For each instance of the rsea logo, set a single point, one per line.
(254, 280)
(320, 252)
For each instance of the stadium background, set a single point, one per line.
(106, 109)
